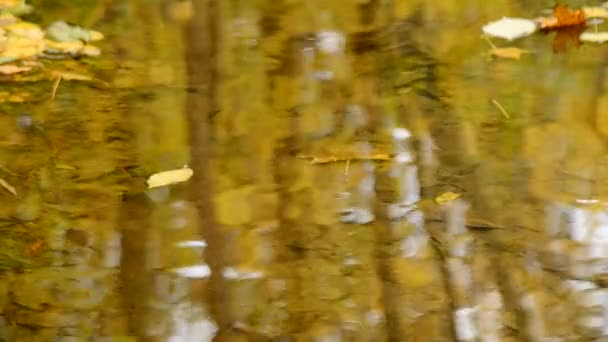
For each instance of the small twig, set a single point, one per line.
(55, 86)
(489, 42)
(347, 167)
(7, 170)
(501, 108)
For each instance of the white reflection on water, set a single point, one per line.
(191, 324)
(194, 271)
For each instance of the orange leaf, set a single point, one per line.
(36, 248)
(562, 17)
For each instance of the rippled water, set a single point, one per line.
(324, 136)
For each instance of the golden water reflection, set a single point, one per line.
(321, 134)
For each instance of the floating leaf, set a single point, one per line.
(508, 52)
(95, 35)
(510, 28)
(70, 76)
(8, 187)
(13, 97)
(169, 177)
(333, 159)
(90, 50)
(62, 32)
(446, 197)
(595, 37)
(17, 7)
(562, 17)
(595, 12)
(17, 47)
(25, 29)
(69, 47)
(9, 69)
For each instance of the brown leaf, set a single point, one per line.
(36, 247)
(562, 17)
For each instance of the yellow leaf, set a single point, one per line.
(91, 51)
(446, 197)
(95, 35)
(508, 52)
(344, 158)
(71, 47)
(595, 37)
(21, 47)
(70, 76)
(26, 30)
(8, 187)
(595, 12)
(169, 177)
(8, 69)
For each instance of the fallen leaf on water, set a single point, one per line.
(446, 197)
(508, 52)
(169, 177)
(19, 97)
(26, 30)
(90, 50)
(70, 76)
(562, 17)
(333, 159)
(16, 47)
(595, 37)
(62, 32)
(36, 247)
(65, 167)
(595, 12)
(74, 48)
(9, 69)
(69, 47)
(510, 28)
(8, 187)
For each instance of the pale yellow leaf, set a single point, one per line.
(594, 37)
(70, 47)
(595, 12)
(8, 69)
(8, 187)
(25, 29)
(508, 52)
(91, 51)
(70, 76)
(95, 35)
(510, 28)
(446, 197)
(169, 177)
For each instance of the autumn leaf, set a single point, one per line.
(562, 17)
(594, 37)
(446, 197)
(9, 69)
(595, 12)
(510, 28)
(344, 158)
(508, 52)
(169, 177)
